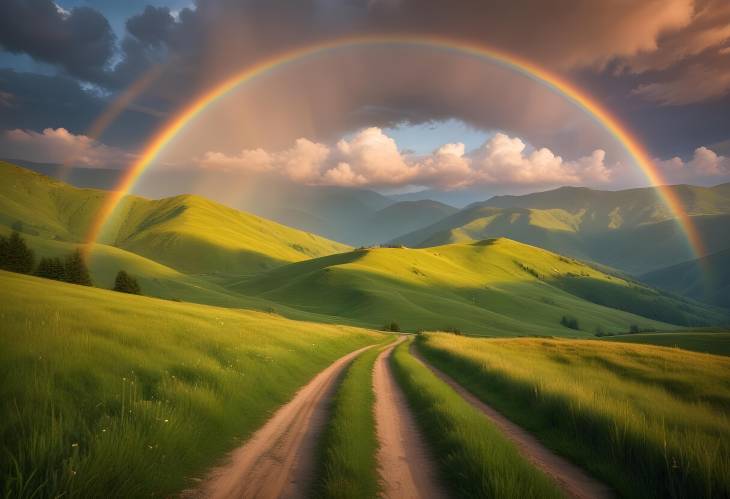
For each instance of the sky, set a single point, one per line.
(88, 83)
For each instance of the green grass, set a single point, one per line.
(705, 342)
(650, 421)
(482, 288)
(105, 394)
(475, 459)
(348, 468)
(187, 233)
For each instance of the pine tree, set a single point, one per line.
(125, 283)
(51, 268)
(75, 269)
(15, 255)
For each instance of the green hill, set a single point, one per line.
(187, 233)
(621, 229)
(706, 279)
(482, 287)
(717, 343)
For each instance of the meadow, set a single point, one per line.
(649, 421)
(105, 394)
(475, 459)
(717, 343)
(347, 466)
(480, 288)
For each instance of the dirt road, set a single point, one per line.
(570, 478)
(278, 460)
(406, 469)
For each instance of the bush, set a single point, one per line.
(570, 322)
(633, 329)
(600, 331)
(75, 269)
(15, 255)
(125, 283)
(392, 326)
(51, 268)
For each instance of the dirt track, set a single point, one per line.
(406, 469)
(571, 479)
(278, 460)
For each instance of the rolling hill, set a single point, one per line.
(621, 229)
(188, 233)
(353, 216)
(705, 279)
(480, 287)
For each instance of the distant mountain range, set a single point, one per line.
(631, 230)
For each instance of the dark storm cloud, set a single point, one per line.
(152, 26)
(80, 41)
(36, 102)
(616, 41)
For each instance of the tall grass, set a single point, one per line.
(104, 394)
(348, 467)
(476, 460)
(651, 421)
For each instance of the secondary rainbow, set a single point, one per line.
(580, 98)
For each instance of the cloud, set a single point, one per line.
(696, 83)
(59, 145)
(704, 164)
(372, 159)
(81, 40)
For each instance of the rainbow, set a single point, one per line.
(580, 98)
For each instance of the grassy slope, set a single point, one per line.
(482, 288)
(620, 229)
(105, 394)
(706, 279)
(160, 281)
(188, 233)
(348, 468)
(650, 421)
(705, 342)
(476, 460)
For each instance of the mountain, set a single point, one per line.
(187, 233)
(483, 287)
(402, 217)
(622, 229)
(705, 279)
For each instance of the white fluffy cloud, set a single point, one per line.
(371, 158)
(705, 163)
(58, 145)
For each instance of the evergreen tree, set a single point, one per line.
(15, 255)
(75, 269)
(125, 283)
(51, 268)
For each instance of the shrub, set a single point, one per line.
(51, 268)
(600, 331)
(633, 329)
(15, 255)
(75, 269)
(392, 326)
(125, 283)
(570, 322)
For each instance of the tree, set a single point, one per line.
(75, 269)
(125, 283)
(570, 322)
(15, 255)
(51, 268)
